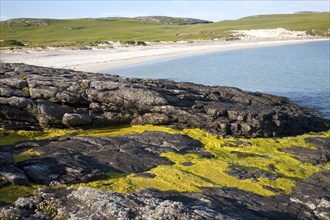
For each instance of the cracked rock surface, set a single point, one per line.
(37, 97)
(33, 97)
(307, 202)
(82, 159)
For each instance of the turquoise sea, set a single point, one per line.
(300, 72)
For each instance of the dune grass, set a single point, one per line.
(87, 31)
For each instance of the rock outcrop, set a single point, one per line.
(68, 160)
(33, 97)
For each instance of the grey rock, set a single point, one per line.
(51, 114)
(7, 92)
(306, 202)
(14, 83)
(76, 119)
(112, 100)
(83, 159)
(48, 93)
(65, 97)
(21, 103)
(153, 118)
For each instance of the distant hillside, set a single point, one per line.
(312, 12)
(173, 20)
(26, 22)
(94, 31)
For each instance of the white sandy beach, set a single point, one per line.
(96, 60)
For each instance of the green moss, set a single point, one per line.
(324, 166)
(125, 130)
(262, 154)
(25, 155)
(10, 43)
(10, 194)
(26, 90)
(205, 172)
(84, 85)
(10, 137)
(23, 78)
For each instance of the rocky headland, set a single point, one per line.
(34, 97)
(68, 163)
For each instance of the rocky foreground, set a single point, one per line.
(292, 181)
(35, 97)
(66, 160)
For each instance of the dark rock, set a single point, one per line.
(241, 173)
(146, 175)
(6, 158)
(13, 175)
(40, 171)
(14, 83)
(7, 92)
(111, 100)
(321, 143)
(83, 159)
(237, 144)
(187, 163)
(321, 155)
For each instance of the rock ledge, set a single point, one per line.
(33, 97)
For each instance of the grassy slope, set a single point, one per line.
(91, 30)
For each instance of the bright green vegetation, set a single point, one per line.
(11, 43)
(263, 154)
(10, 137)
(255, 154)
(25, 155)
(87, 31)
(26, 90)
(9, 194)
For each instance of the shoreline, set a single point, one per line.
(98, 60)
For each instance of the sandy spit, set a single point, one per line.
(96, 60)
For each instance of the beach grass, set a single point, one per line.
(91, 31)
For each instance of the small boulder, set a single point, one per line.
(73, 119)
(13, 175)
(6, 158)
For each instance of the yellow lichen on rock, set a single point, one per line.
(25, 155)
(260, 154)
(192, 172)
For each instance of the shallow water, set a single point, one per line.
(300, 72)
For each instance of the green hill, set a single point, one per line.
(87, 31)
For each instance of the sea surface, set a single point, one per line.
(300, 72)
